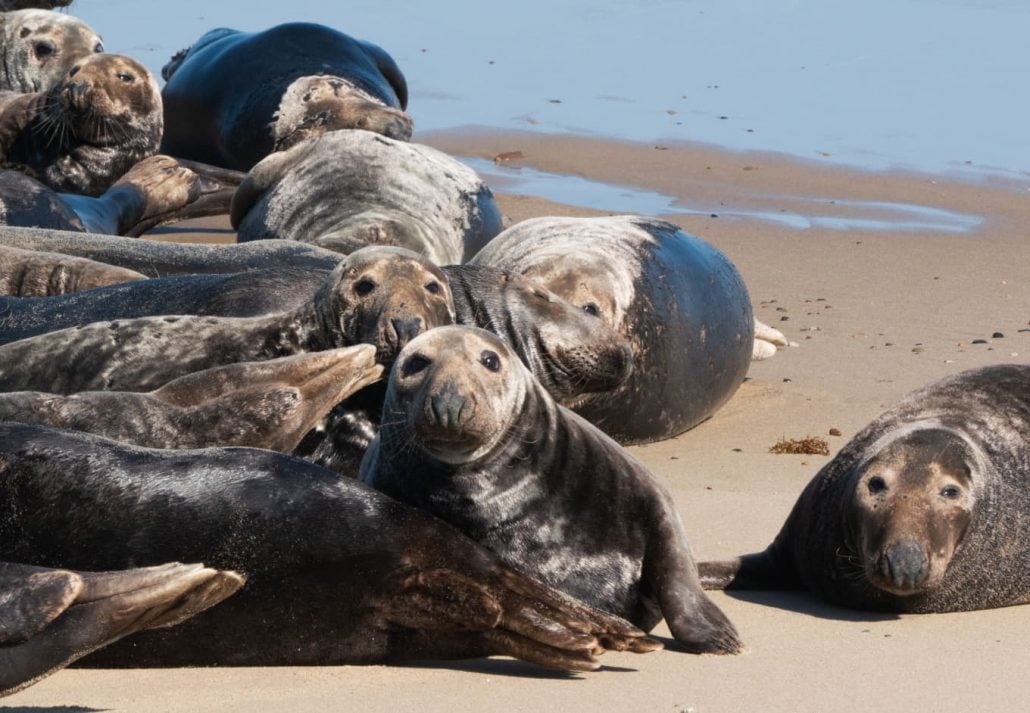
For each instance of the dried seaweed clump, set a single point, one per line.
(810, 445)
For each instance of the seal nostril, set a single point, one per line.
(906, 564)
(406, 329)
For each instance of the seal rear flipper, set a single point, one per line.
(753, 571)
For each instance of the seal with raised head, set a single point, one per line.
(369, 190)
(470, 436)
(382, 296)
(28, 273)
(87, 131)
(52, 617)
(269, 404)
(679, 302)
(234, 97)
(38, 47)
(927, 509)
(337, 573)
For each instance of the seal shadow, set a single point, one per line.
(806, 603)
(511, 668)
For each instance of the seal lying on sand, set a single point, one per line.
(87, 131)
(51, 617)
(348, 189)
(156, 191)
(269, 404)
(234, 97)
(337, 573)
(470, 436)
(679, 302)
(927, 509)
(27, 273)
(382, 296)
(38, 47)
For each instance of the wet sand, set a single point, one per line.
(875, 314)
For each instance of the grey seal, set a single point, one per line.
(29, 273)
(38, 47)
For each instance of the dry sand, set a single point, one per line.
(875, 315)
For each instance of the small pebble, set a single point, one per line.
(997, 335)
(787, 381)
(784, 318)
(738, 450)
(674, 457)
(979, 341)
(918, 350)
(781, 309)
(834, 431)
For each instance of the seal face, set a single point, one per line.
(38, 47)
(678, 301)
(923, 511)
(471, 437)
(348, 189)
(90, 129)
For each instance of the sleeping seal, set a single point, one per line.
(38, 47)
(27, 273)
(337, 573)
(927, 509)
(51, 617)
(234, 97)
(470, 436)
(348, 189)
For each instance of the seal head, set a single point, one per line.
(39, 47)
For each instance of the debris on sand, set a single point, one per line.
(810, 445)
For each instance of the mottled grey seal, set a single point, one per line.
(470, 436)
(234, 97)
(337, 573)
(927, 509)
(381, 295)
(51, 617)
(38, 47)
(87, 131)
(269, 404)
(347, 189)
(28, 273)
(679, 302)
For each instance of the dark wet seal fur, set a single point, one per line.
(86, 132)
(52, 617)
(469, 436)
(337, 573)
(360, 189)
(679, 302)
(927, 509)
(381, 296)
(234, 97)
(38, 47)
(28, 273)
(269, 404)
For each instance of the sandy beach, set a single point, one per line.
(875, 313)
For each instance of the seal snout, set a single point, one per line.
(448, 405)
(403, 331)
(77, 94)
(904, 566)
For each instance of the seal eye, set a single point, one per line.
(433, 287)
(414, 365)
(98, 48)
(951, 492)
(591, 308)
(364, 287)
(125, 77)
(490, 360)
(44, 49)
(877, 485)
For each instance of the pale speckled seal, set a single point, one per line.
(28, 273)
(679, 302)
(269, 404)
(927, 509)
(52, 617)
(234, 97)
(347, 189)
(337, 573)
(87, 131)
(382, 296)
(38, 47)
(470, 436)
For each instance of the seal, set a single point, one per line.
(381, 295)
(156, 191)
(234, 97)
(52, 617)
(678, 301)
(470, 436)
(337, 573)
(27, 273)
(87, 131)
(348, 189)
(269, 404)
(38, 47)
(924, 510)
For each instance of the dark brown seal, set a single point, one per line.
(38, 47)
(87, 131)
(337, 573)
(51, 617)
(269, 404)
(470, 436)
(927, 509)
(27, 273)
